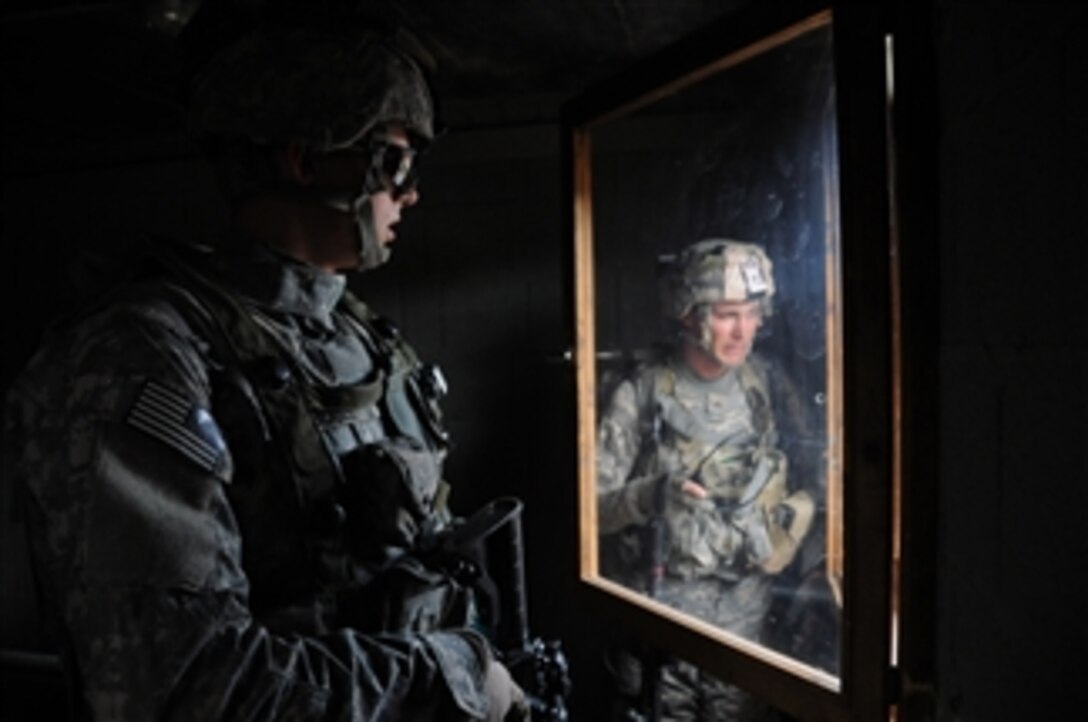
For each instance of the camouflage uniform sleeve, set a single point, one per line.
(127, 475)
(621, 500)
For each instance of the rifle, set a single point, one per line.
(487, 552)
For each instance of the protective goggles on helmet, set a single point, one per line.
(389, 166)
(394, 166)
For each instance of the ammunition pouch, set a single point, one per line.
(786, 524)
(392, 495)
(773, 519)
(408, 595)
(393, 499)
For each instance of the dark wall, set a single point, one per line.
(1012, 275)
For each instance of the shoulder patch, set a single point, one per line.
(170, 417)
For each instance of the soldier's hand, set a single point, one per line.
(506, 700)
(694, 488)
(688, 496)
(655, 494)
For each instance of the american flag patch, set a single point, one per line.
(173, 419)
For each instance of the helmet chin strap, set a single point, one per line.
(369, 251)
(698, 334)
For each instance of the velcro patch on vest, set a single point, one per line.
(172, 418)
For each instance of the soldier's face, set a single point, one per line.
(732, 327)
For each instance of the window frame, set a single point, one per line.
(873, 352)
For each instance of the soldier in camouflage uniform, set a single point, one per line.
(689, 450)
(233, 466)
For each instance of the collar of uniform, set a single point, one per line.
(284, 285)
(723, 383)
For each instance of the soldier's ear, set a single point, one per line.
(296, 161)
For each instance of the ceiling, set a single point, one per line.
(92, 82)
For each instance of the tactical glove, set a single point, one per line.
(506, 700)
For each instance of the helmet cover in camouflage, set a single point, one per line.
(715, 270)
(326, 87)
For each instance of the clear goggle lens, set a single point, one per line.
(396, 166)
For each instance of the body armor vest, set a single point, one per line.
(340, 481)
(725, 440)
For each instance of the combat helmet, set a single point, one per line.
(715, 270)
(324, 83)
(327, 80)
(708, 272)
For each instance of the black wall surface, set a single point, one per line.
(477, 284)
(1013, 359)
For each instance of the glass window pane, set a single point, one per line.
(716, 344)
